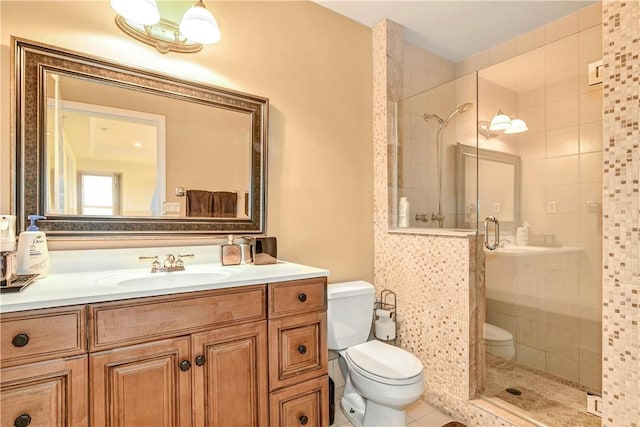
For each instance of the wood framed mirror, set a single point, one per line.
(104, 149)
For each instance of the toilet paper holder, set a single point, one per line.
(385, 308)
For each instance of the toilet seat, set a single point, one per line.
(384, 363)
(496, 334)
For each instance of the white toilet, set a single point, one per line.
(499, 342)
(380, 380)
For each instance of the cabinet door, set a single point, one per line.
(230, 376)
(52, 393)
(147, 385)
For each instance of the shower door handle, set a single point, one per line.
(496, 239)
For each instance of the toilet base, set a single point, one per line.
(365, 413)
(383, 416)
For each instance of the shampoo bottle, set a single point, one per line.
(33, 253)
(522, 235)
(403, 213)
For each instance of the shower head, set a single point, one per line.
(443, 123)
(460, 109)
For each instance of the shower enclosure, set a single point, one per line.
(542, 295)
(427, 151)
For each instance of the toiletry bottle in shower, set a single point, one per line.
(403, 213)
(522, 234)
(33, 253)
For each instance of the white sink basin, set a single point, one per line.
(175, 279)
(146, 280)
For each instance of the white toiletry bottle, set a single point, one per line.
(403, 213)
(522, 234)
(33, 253)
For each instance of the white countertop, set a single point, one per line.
(88, 285)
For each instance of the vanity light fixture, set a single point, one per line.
(141, 20)
(515, 126)
(500, 121)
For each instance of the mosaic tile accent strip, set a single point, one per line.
(621, 206)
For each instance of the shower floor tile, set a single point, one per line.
(545, 398)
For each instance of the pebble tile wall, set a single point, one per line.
(621, 205)
(431, 273)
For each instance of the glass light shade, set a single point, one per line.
(199, 26)
(500, 121)
(517, 126)
(143, 12)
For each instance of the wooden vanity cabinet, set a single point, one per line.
(298, 362)
(243, 356)
(210, 370)
(43, 379)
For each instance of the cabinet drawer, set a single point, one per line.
(31, 336)
(49, 393)
(305, 404)
(297, 346)
(300, 296)
(148, 319)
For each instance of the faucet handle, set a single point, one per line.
(155, 262)
(180, 261)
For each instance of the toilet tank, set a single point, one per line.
(349, 313)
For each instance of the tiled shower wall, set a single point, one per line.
(621, 208)
(431, 273)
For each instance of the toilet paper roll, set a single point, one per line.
(385, 330)
(383, 313)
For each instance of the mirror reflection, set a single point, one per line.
(116, 151)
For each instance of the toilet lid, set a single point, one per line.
(384, 360)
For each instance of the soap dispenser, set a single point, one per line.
(33, 253)
(230, 254)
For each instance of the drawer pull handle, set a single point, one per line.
(302, 297)
(22, 421)
(302, 349)
(185, 365)
(200, 360)
(304, 419)
(20, 340)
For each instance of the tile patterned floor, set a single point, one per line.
(544, 398)
(420, 414)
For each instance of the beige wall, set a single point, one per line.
(312, 64)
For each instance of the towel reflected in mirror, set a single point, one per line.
(218, 204)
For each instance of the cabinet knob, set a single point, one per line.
(303, 419)
(302, 297)
(200, 360)
(185, 365)
(22, 421)
(302, 349)
(20, 340)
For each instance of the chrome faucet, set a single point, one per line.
(171, 262)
